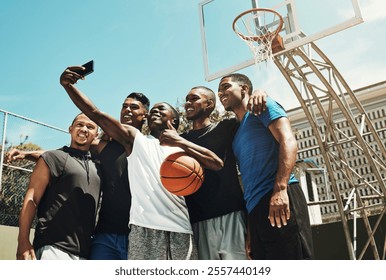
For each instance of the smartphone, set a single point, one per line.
(89, 68)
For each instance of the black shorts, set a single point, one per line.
(290, 242)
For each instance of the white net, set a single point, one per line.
(259, 29)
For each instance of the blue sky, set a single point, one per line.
(151, 46)
(136, 45)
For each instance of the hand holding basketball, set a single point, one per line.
(181, 174)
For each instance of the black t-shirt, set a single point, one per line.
(116, 197)
(67, 211)
(221, 192)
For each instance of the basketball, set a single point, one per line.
(181, 174)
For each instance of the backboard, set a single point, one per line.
(305, 21)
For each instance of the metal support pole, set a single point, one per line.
(3, 148)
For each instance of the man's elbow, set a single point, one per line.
(289, 144)
(292, 145)
(295, 146)
(212, 164)
(217, 165)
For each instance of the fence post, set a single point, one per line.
(3, 148)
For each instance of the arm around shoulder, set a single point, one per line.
(16, 154)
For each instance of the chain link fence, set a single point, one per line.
(24, 134)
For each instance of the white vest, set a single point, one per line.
(152, 206)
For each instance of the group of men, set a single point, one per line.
(266, 218)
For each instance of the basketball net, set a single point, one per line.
(259, 28)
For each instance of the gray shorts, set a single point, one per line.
(152, 244)
(221, 238)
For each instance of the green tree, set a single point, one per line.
(216, 116)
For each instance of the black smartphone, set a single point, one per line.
(89, 68)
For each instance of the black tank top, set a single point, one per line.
(116, 197)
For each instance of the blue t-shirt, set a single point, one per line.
(257, 152)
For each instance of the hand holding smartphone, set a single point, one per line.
(89, 68)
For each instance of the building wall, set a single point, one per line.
(373, 100)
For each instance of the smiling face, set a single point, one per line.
(230, 94)
(158, 117)
(133, 113)
(83, 131)
(199, 104)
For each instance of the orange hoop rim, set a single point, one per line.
(262, 37)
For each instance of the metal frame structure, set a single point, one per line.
(314, 78)
(291, 32)
(327, 100)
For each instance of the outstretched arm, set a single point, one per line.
(206, 157)
(39, 181)
(123, 134)
(279, 211)
(15, 154)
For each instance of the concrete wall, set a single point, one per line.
(8, 242)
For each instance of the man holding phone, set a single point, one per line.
(161, 226)
(88, 68)
(110, 240)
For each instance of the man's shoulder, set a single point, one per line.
(55, 153)
(273, 111)
(145, 141)
(55, 160)
(230, 124)
(229, 121)
(272, 103)
(225, 122)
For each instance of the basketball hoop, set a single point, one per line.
(259, 28)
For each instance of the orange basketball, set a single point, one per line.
(181, 174)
